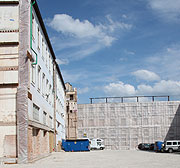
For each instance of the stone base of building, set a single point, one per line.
(40, 143)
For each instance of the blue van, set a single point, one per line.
(158, 146)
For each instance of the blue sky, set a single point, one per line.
(116, 47)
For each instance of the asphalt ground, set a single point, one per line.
(105, 159)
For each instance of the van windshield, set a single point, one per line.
(99, 143)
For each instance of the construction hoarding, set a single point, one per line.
(125, 125)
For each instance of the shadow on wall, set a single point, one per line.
(174, 129)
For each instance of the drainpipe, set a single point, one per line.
(34, 63)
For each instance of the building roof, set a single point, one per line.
(36, 8)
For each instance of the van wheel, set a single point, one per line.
(101, 148)
(170, 150)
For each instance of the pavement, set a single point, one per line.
(105, 159)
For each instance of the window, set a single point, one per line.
(35, 131)
(38, 38)
(58, 124)
(46, 57)
(43, 84)
(49, 64)
(47, 94)
(51, 67)
(42, 49)
(178, 143)
(174, 143)
(98, 143)
(39, 78)
(33, 21)
(35, 112)
(44, 117)
(50, 122)
(52, 95)
(33, 73)
(44, 133)
(71, 97)
(169, 143)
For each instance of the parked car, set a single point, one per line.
(151, 146)
(144, 146)
(140, 146)
(171, 145)
(158, 146)
(179, 148)
(96, 144)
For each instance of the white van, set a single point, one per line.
(171, 145)
(96, 144)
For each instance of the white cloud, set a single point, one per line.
(62, 61)
(66, 24)
(168, 9)
(114, 25)
(83, 90)
(162, 87)
(146, 75)
(119, 89)
(84, 37)
(80, 29)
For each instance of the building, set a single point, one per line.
(32, 90)
(71, 112)
(60, 111)
(124, 125)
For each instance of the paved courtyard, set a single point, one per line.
(105, 159)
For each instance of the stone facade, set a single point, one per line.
(32, 90)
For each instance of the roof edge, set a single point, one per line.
(36, 8)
